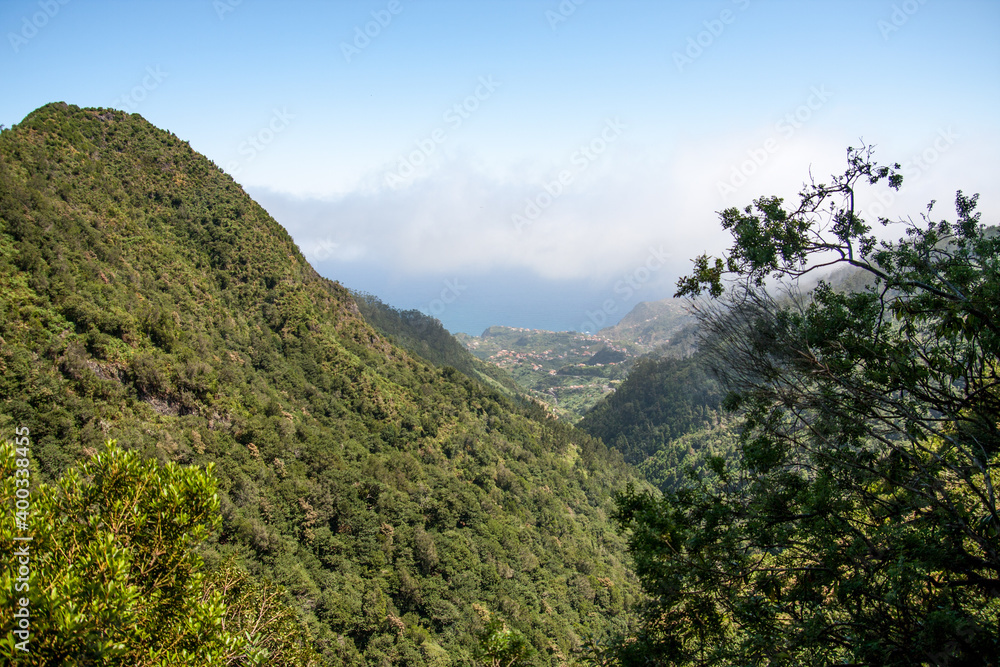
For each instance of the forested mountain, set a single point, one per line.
(855, 521)
(667, 417)
(409, 513)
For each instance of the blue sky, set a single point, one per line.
(545, 164)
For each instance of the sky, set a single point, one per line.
(544, 164)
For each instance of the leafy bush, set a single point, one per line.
(115, 577)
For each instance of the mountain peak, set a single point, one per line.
(147, 298)
(650, 323)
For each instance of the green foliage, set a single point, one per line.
(858, 522)
(692, 455)
(115, 578)
(772, 242)
(256, 610)
(501, 646)
(145, 297)
(662, 400)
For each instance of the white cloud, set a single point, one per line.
(460, 218)
(601, 222)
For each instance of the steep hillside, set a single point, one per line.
(667, 416)
(145, 297)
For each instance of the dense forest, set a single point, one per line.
(405, 512)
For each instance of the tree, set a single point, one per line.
(859, 523)
(501, 645)
(115, 578)
(256, 610)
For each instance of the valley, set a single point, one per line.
(394, 509)
(572, 371)
(568, 371)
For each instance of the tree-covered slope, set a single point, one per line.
(660, 401)
(857, 522)
(145, 297)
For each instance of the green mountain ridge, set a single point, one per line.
(147, 298)
(660, 401)
(666, 416)
(427, 338)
